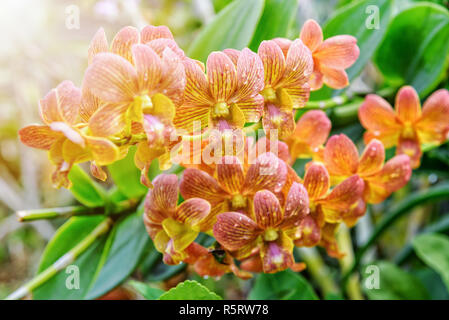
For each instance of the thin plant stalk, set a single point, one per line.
(345, 244)
(70, 211)
(318, 270)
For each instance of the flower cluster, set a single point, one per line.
(143, 90)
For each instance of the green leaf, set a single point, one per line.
(162, 271)
(127, 177)
(67, 237)
(432, 281)
(85, 190)
(145, 290)
(189, 290)
(277, 17)
(128, 241)
(416, 47)
(233, 27)
(394, 283)
(115, 195)
(351, 19)
(285, 285)
(433, 249)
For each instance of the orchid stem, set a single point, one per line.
(329, 103)
(345, 244)
(318, 270)
(62, 262)
(52, 213)
(65, 212)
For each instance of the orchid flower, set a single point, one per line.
(173, 228)
(226, 97)
(286, 84)
(65, 137)
(342, 160)
(272, 230)
(407, 127)
(233, 186)
(311, 132)
(330, 57)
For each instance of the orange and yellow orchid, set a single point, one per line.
(141, 85)
(158, 37)
(233, 186)
(311, 132)
(65, 136)
(173, 228)
(341, 159)
(327, 206)
(227, 96)
(330, 57)
(407, 127)
(286, 84)
(271, 232)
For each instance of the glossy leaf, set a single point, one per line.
(277, 17)
(233, 28)
(433, 249)
(162, 271)
(285, 285)
(432, 281)
(189, 290)
(416, 48)
(67, 237)
(128, 241)
(127, 177)
(85, 190)
(385, 281)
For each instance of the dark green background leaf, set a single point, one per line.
(416, 48)
(233, 27)
(433, 249)
(276, 19)
(394, 284)
(129, 240)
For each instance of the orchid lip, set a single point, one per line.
(145, 102)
